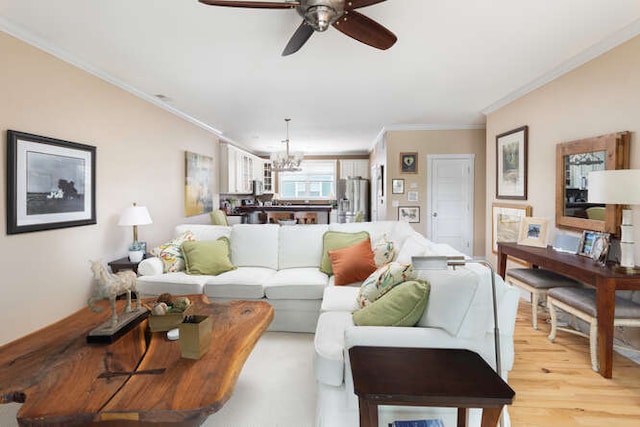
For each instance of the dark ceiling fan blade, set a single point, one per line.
(365, 30)
(298, 39)
(253, 4)
(357, 4)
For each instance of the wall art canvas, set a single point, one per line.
(511, 164)
(198, 193)
(50, 183)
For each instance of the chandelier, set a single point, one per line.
(285, 161)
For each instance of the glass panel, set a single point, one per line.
(577, 168)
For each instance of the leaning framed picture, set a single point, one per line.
(409, 213)
(506, 219)
(533, 232)
(594, 244)
(51, 183)
(511, 164)
(408, 162)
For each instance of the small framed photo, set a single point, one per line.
(409, 162)
(511, 164)
(533, 232)
(412, 196)
(397, 186)
(409, 213)
(51, 183)
(594, 245)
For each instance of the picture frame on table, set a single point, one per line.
(51, 183)
(397, 186)
(506, 219)
(511, 164)
(594, 245)
(408, 162)
(534, 232)
(409, 214)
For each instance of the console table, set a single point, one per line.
(606, 279)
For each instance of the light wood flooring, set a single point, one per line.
(555, 385)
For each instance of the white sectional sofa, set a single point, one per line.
(281, 265)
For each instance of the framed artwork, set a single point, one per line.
(594, 245)
(533, 232)
(412, 196)
(511, 164)
(51, 183)
(409, 162)
(506, 221)
(409, 213)
(397, 186)
(198, 194)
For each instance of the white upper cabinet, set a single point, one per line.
(238, 169)
(357, 167)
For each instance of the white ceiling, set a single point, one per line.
(221, 67)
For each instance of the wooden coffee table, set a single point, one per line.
(140, 380)
(426, 377)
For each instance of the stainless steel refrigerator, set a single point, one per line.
(353, 197)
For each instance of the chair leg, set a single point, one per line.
(554, 320)
(534, 309)
(593, 344)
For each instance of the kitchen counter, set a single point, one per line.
(303, 214)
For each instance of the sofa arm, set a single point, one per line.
(150, 267)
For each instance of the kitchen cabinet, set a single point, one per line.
(237, 170)
(354, 167)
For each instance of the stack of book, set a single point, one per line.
(418, 423)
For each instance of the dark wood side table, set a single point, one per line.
(426, 377)
(122, 264)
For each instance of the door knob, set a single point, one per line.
(435, 214)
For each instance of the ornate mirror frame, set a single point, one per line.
(616, 147)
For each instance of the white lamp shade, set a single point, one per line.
(135, 215)
(621, 187)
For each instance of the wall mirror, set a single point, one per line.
(574, 161)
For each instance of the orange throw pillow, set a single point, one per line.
(352, 264)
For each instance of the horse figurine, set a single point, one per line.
(110, 286)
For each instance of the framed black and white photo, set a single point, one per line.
(397, 186)
(511, 164)
(409, 213)
(51, 183)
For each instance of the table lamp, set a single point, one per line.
(135, 216)
(621, 187)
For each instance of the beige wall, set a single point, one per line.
(140, 157)
(600, 97)
(435, 142)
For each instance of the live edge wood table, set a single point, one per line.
(426, 377)
(606, 279)
(140, 380)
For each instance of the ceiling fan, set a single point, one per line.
(319, 14)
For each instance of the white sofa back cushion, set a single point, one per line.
(300, 246)
(204, 231)
(255, 245)
(395, 231)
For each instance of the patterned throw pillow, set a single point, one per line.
(383, 280)
(383, 251)
(171, 254)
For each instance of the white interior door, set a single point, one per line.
(450, 200)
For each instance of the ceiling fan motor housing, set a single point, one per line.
(320, 14)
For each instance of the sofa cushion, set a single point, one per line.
(402, 306)
(244, 282)
(382, 281)
(383, 251)
(203, 231)
(178, 283)
(413, 246)
(353, 263)
(329, 346)
(171, 253)
(255, 245)
(340, 298)
(207, 256)
(300, 245)
(296, 283)
(332, 240)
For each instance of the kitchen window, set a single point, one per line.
(316, 181)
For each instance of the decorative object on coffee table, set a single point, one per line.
(195, 336)
(109, 286)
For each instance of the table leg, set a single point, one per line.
(606, 305)
(490, 417)
(502, 262)
(368, 413)
(462, 417)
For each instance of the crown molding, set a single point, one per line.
(421, 127)
(21, 34)
(616, 39)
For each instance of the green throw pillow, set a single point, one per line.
(401, 306)
(332, 240)
(209, 257)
